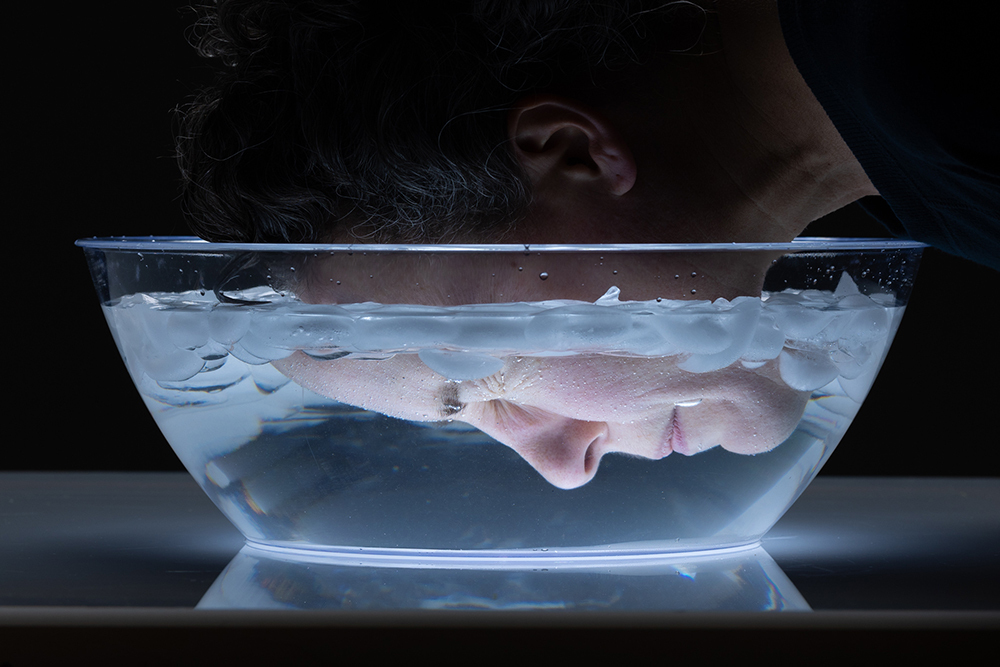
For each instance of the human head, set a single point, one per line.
(562, 414)
(335, 120)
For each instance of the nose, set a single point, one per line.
(565, 451)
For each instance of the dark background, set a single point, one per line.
(91, 90)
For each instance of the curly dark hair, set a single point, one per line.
(382, 120)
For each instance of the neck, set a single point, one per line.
(761, 158)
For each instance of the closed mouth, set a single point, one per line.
(677, 442)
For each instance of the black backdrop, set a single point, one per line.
(89, 123)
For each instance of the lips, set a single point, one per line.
(673, 440)
(677, 441)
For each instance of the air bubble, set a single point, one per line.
(690, 403)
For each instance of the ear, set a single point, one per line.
(563, 142)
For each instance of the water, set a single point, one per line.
(561, 426)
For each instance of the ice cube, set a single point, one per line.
(695, 333)
(171, 364)
(800, 322)
(227, 324)
(486, 330)
(580, 327)
(806, 370)
(460, 365)
(187, 329)
(741, 323)
(248, 357)
(276, 334)
(846, 286)
(387, 332)
(768, 340)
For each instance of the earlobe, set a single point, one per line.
(560, 140)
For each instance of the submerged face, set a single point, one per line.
(562, 414)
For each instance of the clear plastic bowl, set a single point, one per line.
(503, 402)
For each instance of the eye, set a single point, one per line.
(450, 403)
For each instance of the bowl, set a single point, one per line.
(503, 402)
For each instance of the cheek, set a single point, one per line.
(752, 425)
(400, 387)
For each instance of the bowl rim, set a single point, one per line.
(195, 244)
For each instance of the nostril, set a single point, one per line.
(592, 457)
(565, 451)
(588, 459)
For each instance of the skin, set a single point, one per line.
(728, 145)
(561, 414)
(725, 146)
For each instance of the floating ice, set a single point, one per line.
(187, 329)
(816, 336)
(806, 370)
(227, 324)
(460, 365)
(578, 328)
(740, 322)
(767, 342)
(390, 332)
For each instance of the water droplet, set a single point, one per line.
(694, 291)
(520, 268)
(543, 275)
(694, 273)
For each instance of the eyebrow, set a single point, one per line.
(448, 395)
